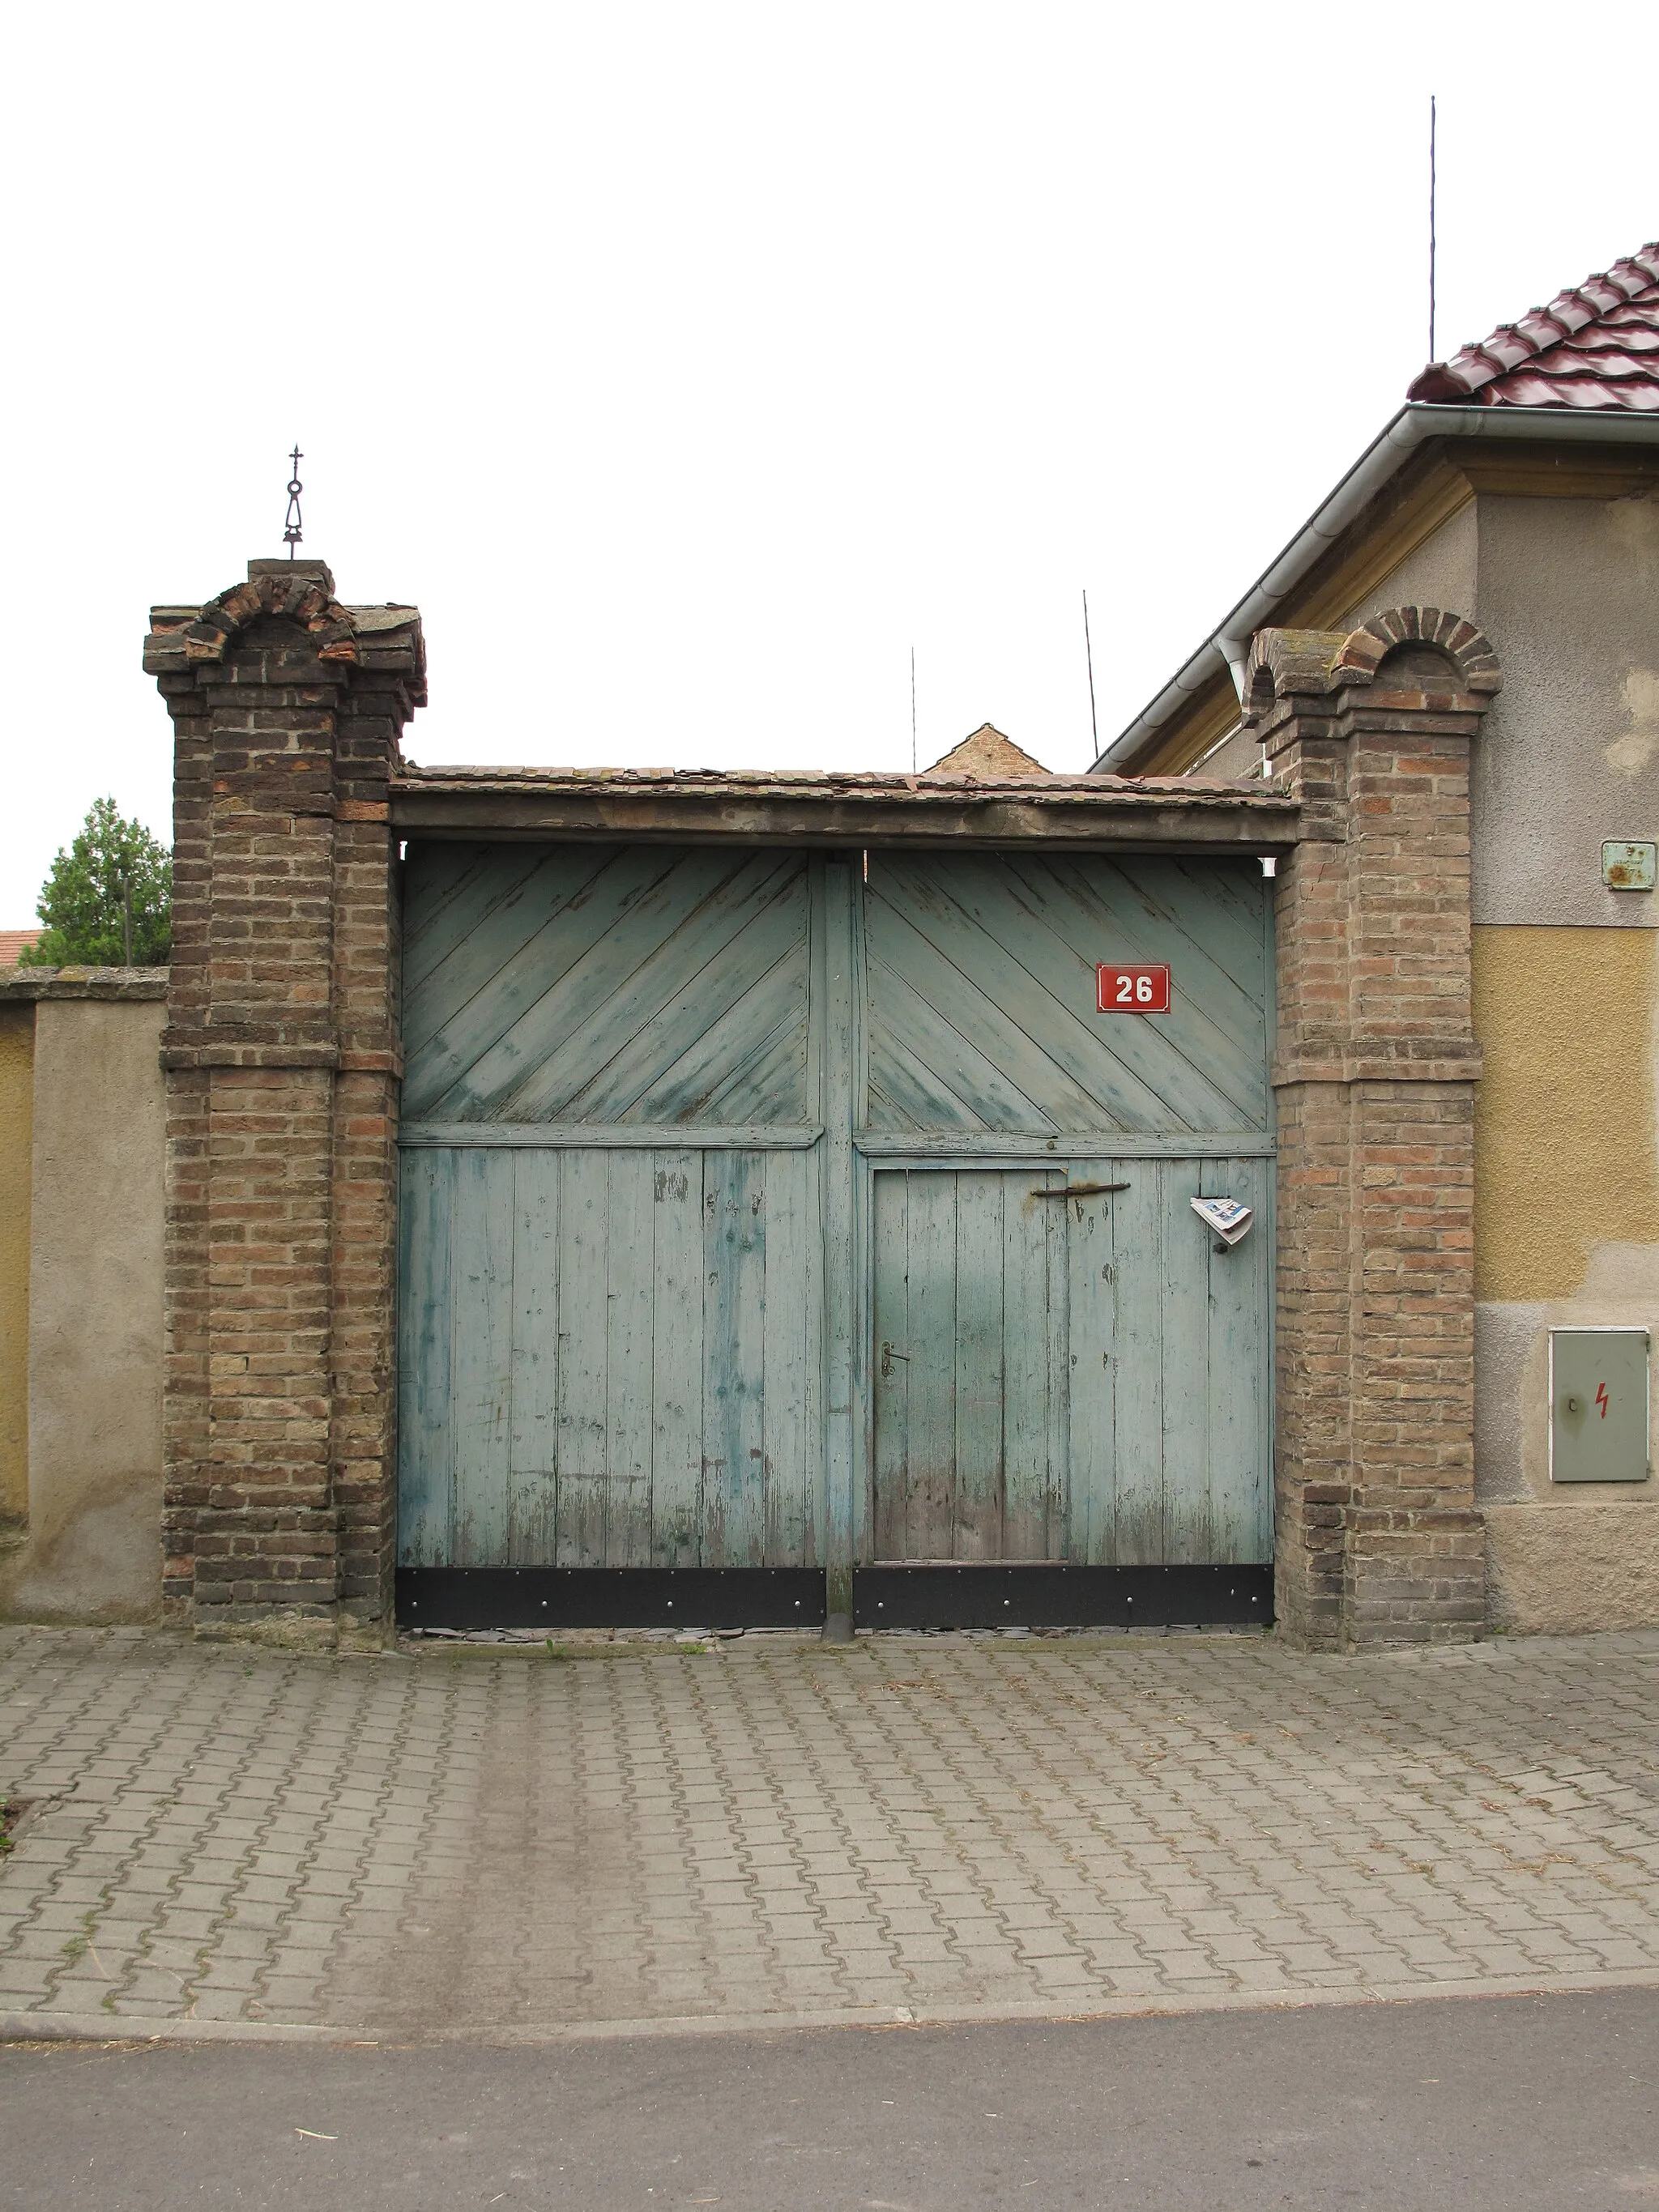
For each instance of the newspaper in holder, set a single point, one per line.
(1230, 1219)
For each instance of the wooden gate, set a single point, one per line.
(722, 1249)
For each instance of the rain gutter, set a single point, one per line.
(1414, 426)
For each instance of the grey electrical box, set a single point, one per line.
(1599, 1405)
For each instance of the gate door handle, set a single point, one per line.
(888, 1356)
(1077, 1189)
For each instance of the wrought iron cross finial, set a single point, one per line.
(292, 533)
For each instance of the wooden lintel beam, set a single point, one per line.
(1263, 825)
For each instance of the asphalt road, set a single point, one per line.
(1499, 2102)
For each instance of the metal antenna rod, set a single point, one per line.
(1094, 726)
(913, 710)
(1432, 240)
(292, 533)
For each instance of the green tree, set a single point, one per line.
(108, 901)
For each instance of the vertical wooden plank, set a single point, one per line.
(630, 1303)
(1092, 1230)
(1026, 1353)
(734, 1293)
(583, 1282)
(930, 1473)
(786, 1442)
(843, 1459)
(1137, 1523)
(676, 1361)
(1066, 1529)
(1186, 1310)
(425, 1457)
(976, 1505)
(891, 1380)
(481, 1277)
(532, 1505)
(1239, 1515)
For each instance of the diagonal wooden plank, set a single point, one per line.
(511, 913)
(449, 891)
(714, 1065)
(1047, 989)
(549, 1048)
(769, 1084)
(501, 990)
(701, 983)
(937, 1020)
(904, 1095)
(962, 971)
(1214, 1024)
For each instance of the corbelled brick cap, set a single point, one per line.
(1286, 661)
(385, 638)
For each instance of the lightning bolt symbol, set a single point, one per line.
(1602, 1398)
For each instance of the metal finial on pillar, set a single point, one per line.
(292, 533)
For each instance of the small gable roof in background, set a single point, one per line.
(988, 754)
(1595, 346)
(13, 943)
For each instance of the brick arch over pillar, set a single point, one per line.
(1377, 1537)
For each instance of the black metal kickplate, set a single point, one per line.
(1061, 1596)
(610, 1597)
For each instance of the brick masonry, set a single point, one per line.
(281, 1062)
(1378, 1538)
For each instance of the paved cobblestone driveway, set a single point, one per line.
(467, 1842)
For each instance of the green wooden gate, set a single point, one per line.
(747, 1223)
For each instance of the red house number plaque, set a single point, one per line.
(1134, 990)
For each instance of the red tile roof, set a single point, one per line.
(1597, 346)
(14, 941)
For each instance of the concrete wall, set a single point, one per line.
(91, 1548)
(1566, 993)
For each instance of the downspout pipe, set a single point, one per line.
(1414, 426)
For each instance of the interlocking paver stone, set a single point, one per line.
(440, 1841)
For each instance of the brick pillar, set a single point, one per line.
(1378, 1539)
(281, 1067)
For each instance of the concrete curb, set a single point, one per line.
(50, 2026)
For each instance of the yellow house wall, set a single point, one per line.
(16, 1114)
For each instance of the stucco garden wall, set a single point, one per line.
(86, 1545)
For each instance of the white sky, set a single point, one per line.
(688, 364)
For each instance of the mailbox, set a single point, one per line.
(1599, 1405)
